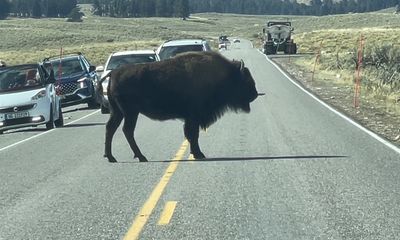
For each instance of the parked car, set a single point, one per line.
(173, 47)
(28, 97)
(76, 80)
(118, 59)
(223, 42)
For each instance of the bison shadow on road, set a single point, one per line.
(232, 159)
(260, 158)
(75, 125)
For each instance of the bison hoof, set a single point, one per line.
(110, 158)
(142, 158)
(199, 155)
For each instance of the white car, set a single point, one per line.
(171, 48)
(28, 97)
(118, 59)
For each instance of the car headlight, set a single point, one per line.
(105, 85)
(82, 83)
(39, 95)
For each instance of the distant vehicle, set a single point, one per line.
(76, 80)
(118, 59)
(223, 42)
(28, 97)
(173, 47)
(3, 64)
(223, 46)
(277, 37)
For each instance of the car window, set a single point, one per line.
(67, 67)
(85, 63)
(171, 51)
(19, 78)
(117, 61)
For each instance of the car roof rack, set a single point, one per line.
(64, 54)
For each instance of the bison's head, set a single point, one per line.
(245, 91)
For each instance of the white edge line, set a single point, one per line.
(369, 132)
(49, 131)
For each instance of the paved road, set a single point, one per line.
(291, 169)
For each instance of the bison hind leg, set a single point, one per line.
(129, 129)
(111, 158)
(141, 158)
(111, 126)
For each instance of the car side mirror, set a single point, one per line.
(51, 78)
(100, 69)
(92, 68)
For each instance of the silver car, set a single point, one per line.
(28, 97)
(118, 59)
(171, 48)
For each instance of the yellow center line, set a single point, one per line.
(148, 207)
(167, 213)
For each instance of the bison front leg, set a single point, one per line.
(129, 132)
(191, 130)
(113, 122)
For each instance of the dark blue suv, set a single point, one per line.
(76, 80)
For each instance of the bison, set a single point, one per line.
(196, 87)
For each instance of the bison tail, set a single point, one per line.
(99, 88)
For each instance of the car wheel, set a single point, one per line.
(1, 132)
(50, 123)
(104, 110)
(60, 121)
(93, 104)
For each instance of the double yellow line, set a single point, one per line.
(148, 207)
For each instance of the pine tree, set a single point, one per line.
(5, 7)
(37, 9)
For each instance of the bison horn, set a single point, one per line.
(241, 65)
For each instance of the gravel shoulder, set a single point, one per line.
(373, 114)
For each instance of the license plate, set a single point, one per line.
(17, 115)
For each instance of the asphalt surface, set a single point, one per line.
(291, 169)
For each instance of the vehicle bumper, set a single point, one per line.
(37, 115)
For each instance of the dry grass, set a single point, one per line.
(30, 40)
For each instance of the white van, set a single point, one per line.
(28, 97)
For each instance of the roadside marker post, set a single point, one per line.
(58, 90)
(317, 58)
(357, 84)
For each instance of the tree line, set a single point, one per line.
(182, 8)
(36, 8)
(141, 8)
(289, 7)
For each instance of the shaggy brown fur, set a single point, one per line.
(197, 87)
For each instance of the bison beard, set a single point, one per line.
(197, 87)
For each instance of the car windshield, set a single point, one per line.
(117, 61)
(67, 66)
(19, 78)
(171, 51)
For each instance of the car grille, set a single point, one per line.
(17, 108)
(67, 88)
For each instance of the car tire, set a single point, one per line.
(60, 121)
(50, 123)
(1, 132)
(93, 104)
(104, 110)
